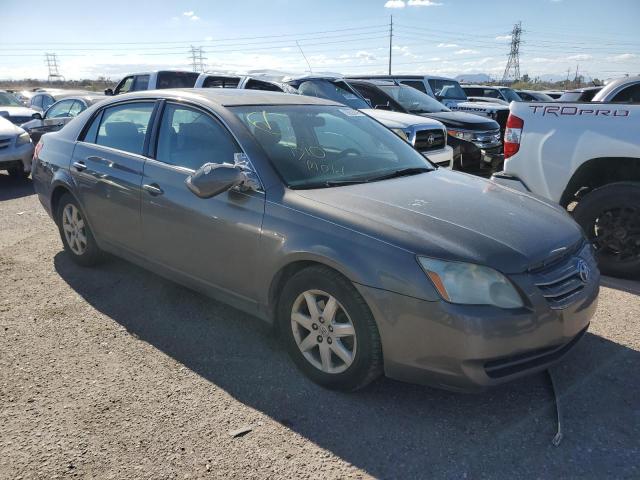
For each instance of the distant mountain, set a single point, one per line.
(473, 78)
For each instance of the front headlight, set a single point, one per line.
(461, 134)
(470, 284)
(401, 133)
(22, 139)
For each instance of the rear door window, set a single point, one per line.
(124, 127)
(176, 79)
(141, 82)
(221, 82)
(628, 95)
(417, 84)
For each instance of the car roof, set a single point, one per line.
(87, 97)
(228, 97)
(583, 89)
(374, 81)
(410, 77)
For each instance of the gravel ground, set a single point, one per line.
(117, 373)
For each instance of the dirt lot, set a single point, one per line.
(117, 373)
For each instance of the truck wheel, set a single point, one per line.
(329, 330)
(75, 233)
(18, 173)
(610, 217)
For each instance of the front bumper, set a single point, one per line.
(470, 348)
(442, 157)
(11, 155)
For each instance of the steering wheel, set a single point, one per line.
(348, 151)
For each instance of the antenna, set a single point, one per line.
(512, 70)
(304, 56)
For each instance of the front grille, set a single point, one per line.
(487, 139)
(5, 142)
(428, 140)
(506, 366)
(559, 280)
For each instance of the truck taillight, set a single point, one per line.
(512, 135)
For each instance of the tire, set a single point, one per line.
(610, 217)
(18, 173)
(83, 252)
(351, 314)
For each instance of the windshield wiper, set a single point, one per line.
(328, 183)
(403, 172)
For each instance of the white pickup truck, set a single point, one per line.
(586, 157)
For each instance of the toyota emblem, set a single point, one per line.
(583, 271)
(431, 139)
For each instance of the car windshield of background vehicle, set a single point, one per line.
(332, 91)
(413, 100)
(447, 89)
(510, 95)
(315, 146)
(9, 100)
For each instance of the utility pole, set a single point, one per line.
(512, 70)
(390, 42)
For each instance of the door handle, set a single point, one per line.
(79, 166)
(153, 189)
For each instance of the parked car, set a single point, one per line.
(154, 80)
(585, 157)
(317, 218)
(534, 96)
(476, 141)
(44, 98)
(426, 135)
(505, 94)
(213, 80)
(16, 149)
(13, 110)
(449, 92)
(59, 114)
(621, 90)
(579, 94)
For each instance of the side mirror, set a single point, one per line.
(37, 116)
(108, 92)
(214, 178)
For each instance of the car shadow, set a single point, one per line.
(622, 284)
(390, 429)
(11, 188)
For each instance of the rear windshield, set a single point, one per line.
(413, 100)
(449, 89)
(176, 79)
(332, 91)
(221, 82)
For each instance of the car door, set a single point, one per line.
(124, 86)
(107, 167)
(54, 119)
(213, 241)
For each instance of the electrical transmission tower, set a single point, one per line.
(512, 70)
(51, 59)
(197, 59)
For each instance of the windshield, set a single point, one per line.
(413, 100)
(449, 89)
(332, 91)
(510, 95)
(317, 146)
(9, 100)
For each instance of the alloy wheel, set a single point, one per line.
(323, 331)
(74, 229)
(616, 233)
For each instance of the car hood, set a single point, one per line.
(7, 128)
(16, 111)
(467, 121)
(448, 215)
(400, 120)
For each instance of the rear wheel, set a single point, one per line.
(329, 330)
(610, 217)
(75, 233)
(18, 172)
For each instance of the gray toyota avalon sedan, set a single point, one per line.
(365, 256)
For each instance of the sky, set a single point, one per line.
(440, 37)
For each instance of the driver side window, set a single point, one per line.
(190, 138)
(124, 86)
(60, 109)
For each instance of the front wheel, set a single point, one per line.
(329, 330)
(610, 217)
(18, 173)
